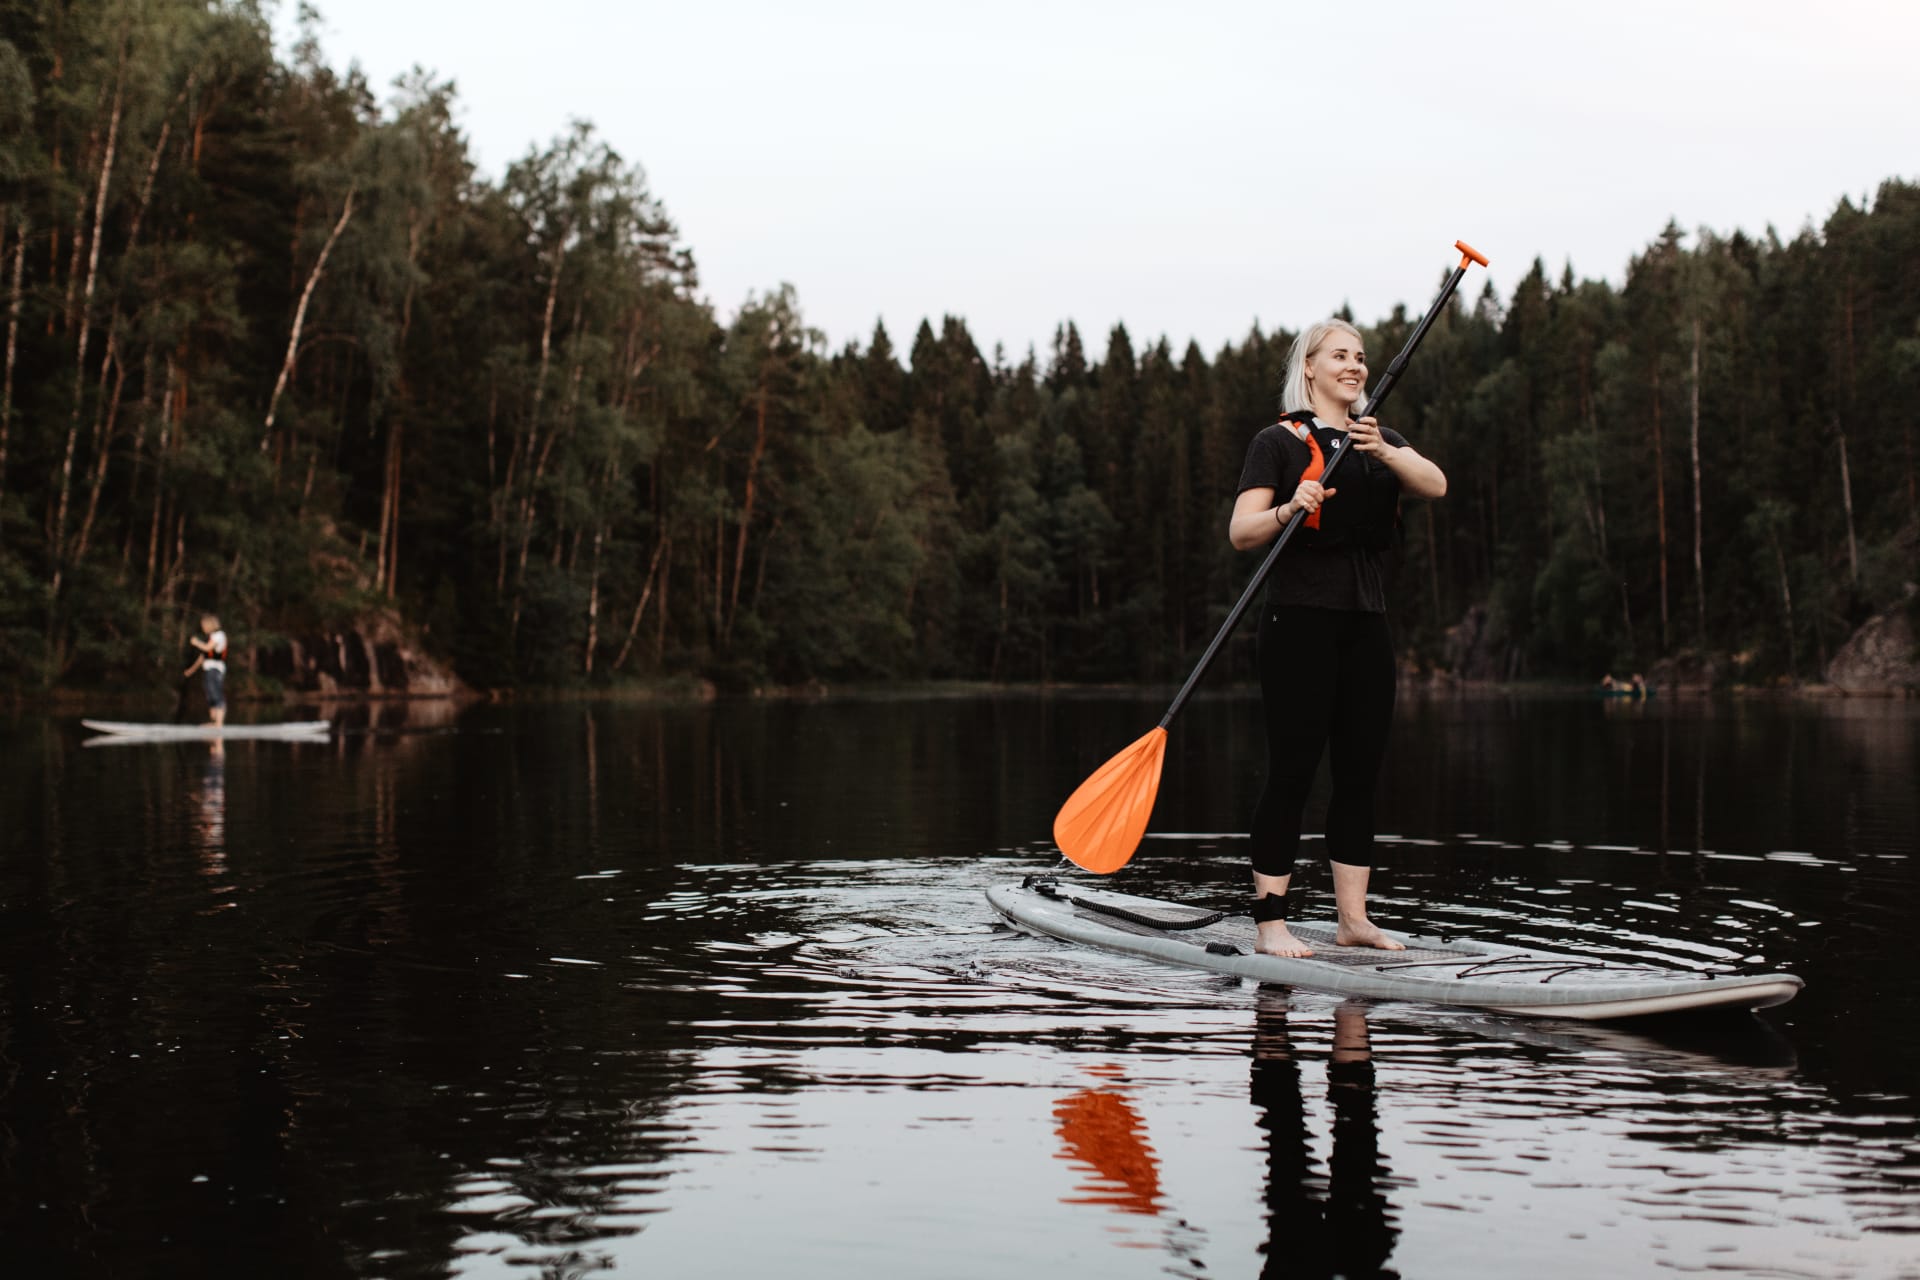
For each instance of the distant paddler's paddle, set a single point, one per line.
(1100, 825)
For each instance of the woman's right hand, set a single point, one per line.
(1310, 495)
(1257, 521)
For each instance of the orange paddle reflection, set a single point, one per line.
(1101, 1132)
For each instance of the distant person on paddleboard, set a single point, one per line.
(1326, 655)
(212, 665)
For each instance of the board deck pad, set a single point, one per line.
(1475, 973)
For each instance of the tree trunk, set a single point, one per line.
(530, 497)
(646, 591)
(1786, 598)
(1846, 504)
(73, 261)
(13, 346)
(760, 570)
(300, 317)
(159, 486)
(1599, 484)
(389, 571)
(1600, 514)
(593, 598)
(179, 562)
(57, 547)
(563, 430)
(1660, 506)
(719, 574)
(306, 489)
(139, 444)
(529, 508)
(399, 454)
(746, 515)
(1000, 630)
(1699, 570)
(497, 499)
(153, 163)
(660, 614)
(109, 413)
(493, 417)
(387, 545)
(546, 330)
(103, 439)
(540, 378)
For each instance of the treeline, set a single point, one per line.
(276, 349)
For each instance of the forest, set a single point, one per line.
(274, 347)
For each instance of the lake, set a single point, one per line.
(711, 990)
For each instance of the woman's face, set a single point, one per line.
(1337, 372)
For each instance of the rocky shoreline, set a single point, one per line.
(380, 659)
(1881, 659)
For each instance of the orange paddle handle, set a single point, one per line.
(1469, 254)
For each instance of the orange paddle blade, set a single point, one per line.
(1100, 825)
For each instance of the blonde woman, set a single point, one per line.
(1326, 654)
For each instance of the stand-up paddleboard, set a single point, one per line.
(121, 731)
(1479, 974)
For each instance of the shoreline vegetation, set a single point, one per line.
(685, 690)
(275, 349)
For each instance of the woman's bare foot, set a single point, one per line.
(1364, 933)
(1278, 940)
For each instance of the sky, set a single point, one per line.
(1190, 168)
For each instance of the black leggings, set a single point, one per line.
(1326, 682)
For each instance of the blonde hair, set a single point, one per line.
(1294, 396)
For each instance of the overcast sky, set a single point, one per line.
(1187, 168)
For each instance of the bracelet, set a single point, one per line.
(1276, 516)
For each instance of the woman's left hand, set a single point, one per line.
(1365, 434)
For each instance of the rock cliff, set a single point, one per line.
(1881, 657)
(376, 657)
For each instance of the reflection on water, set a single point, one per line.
(1322, 1218)
(209, 800)
(1101, 1132)
(1335, 1222)
(711, 990)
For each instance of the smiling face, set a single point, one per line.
(1337, 371)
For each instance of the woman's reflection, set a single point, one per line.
(208, 795)
(1340, 1224)
(1336, 1223)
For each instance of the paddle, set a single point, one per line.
(180, 696)
(181, 691)
(1101, 823)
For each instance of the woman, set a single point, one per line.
(212, 663)
(1326, 657)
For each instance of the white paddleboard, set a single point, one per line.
(123, 731)
(1472, 973)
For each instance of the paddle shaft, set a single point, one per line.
(1378, 398)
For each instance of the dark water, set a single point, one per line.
(712, 991)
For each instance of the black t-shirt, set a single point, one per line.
(1320, 577)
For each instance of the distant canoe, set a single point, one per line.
(122, 731)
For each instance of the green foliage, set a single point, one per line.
(319, 367)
